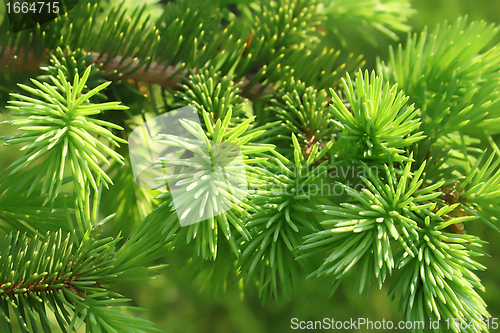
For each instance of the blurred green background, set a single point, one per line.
(176, 304)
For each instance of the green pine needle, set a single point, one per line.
(57, 131)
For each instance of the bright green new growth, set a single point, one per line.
(57, 127)
(441, 277)
(205, 192)
(376, 219)
(283, 218)
(379, 123)
(380, 175)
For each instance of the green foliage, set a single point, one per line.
(377, 217)
(202, 89)
(208, 192)
(26, 214)
(366, 17)
(455, 84)
(406, 145)
(440, 282)
(302, 110)
(378, 124)
(283, 218)
(477, 189)
(50, 270)
(57, 127)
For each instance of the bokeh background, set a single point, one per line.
(179, 305)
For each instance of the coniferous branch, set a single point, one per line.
(213, 95)
(121, 46)
(18, 212)
(257, 73)
(270, 259)
(302, 110)
(364, 228)
(130, 202)
(72, 63)
(209, 150)
(366, 17)
(453, 84)
(57, 127)
(15, 60)
(440, 282)
(118, 68)
(301, 54)
(477, 190)
(378, 124)
(71, 280)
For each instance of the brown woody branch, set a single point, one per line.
(13, 60)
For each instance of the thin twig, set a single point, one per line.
(156, 73)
